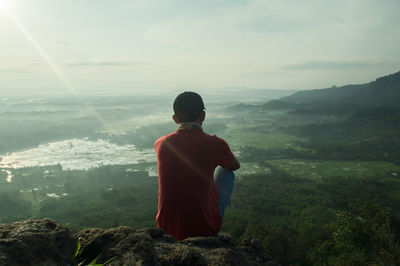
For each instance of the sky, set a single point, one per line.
(132, 46)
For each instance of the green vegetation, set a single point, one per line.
(263, 141)
(104, 197)
(94, 261)
(321, 169)
(329, 194)
(297, 219)
(319, 183)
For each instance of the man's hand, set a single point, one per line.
(234, 165)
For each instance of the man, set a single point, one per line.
(190, 202)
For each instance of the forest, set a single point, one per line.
(316, 188)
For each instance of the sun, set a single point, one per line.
(6, 5)
(3, 4)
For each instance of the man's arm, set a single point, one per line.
(225, 158)
(234, 165)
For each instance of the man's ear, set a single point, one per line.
(175, 118)
(202, 116)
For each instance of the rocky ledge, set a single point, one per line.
(46, 242)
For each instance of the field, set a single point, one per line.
(294, 184)
(264, 141)
(325, 169)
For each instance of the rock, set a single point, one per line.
(206, 242)
(226, 239)
(155, 232)
(45, 242)
(128, 246)
(183, 255)
(36, 242)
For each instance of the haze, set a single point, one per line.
(119, 47)
(87, 87)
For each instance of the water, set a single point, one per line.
(77, 154)
(9, 175)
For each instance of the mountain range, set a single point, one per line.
(383, 92)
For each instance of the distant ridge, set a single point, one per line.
(384, 91)
(245, 95)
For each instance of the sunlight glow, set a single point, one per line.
(42, 53)
(5, 5)
(50, 62)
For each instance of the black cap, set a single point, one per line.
(188, 106)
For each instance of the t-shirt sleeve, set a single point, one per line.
(225, 157)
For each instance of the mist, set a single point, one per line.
(307, 95)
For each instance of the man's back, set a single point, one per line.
(188, 198)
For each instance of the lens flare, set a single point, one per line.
(60, 75)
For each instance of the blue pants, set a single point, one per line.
(224, 181)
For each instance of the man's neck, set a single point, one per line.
(190, 126)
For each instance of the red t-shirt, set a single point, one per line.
(187, 197)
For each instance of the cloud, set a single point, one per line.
(14, 71)
(104, 64)
(62, 43)
(318, 65)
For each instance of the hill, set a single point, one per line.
(384, 91)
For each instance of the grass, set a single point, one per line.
(264, 141)
(250, 169)
(93, 262)
(317, 169)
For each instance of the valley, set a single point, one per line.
(305, 174)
